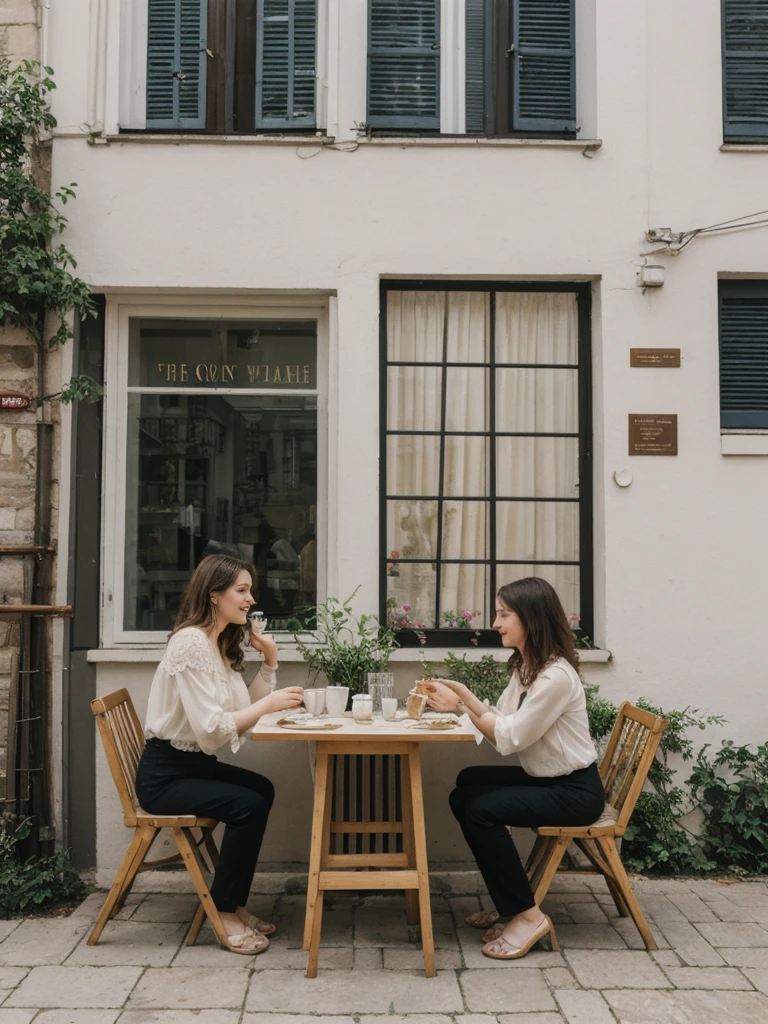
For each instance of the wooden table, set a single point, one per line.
(328, 872)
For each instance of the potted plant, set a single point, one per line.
(454, 629)
(345, 647)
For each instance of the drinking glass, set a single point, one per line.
(389, 708)
(380, 684)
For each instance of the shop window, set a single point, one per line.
(222, 457)
(486, 456)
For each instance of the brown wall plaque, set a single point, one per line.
(652, 434)
(654, 357)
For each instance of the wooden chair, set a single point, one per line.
(631, 749)
(123, 740)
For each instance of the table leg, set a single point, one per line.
(409, 848)
(422, 867)
(321, 826)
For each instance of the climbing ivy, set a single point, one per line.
(36, 269)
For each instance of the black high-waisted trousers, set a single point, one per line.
(488, 798)
(171, 781)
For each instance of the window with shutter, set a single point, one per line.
(285, 64)
(745, 69)
(176, 68)
(543, 66)
(744, 354)
(404, 64)
(478, 42)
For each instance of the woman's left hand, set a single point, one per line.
(439, 696)
(266, 645)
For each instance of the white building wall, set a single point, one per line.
(680, 555)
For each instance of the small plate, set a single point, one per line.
(313, 725)
(432, 725)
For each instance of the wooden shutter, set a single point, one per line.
(176, 41)
(543, 66)
(745, 69)
(744, 354)
(286, 32)
(404, 64)
(479, 65)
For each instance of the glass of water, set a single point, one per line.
(380, 684)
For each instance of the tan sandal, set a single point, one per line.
(262, 927)
(248, 943)
(482, 918)
(545, 930)
(494, 932)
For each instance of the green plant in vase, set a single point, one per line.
(345, 647)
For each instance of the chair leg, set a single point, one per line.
(542, 860)
(213, 851)
(604, 869)
(607, 845)
(535, 856)
(187, 847)
(314, 940)
(412, 910)
(550, 867)
(130, 864)
(197, 924)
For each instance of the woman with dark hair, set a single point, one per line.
(198, 703)
(542, 718)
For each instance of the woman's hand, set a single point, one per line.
(287, 699)
(440, 696)
(266, 645)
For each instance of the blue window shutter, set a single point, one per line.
(544, 66)
(744, 354)
(404, 64)
(745, 69)
(479, 65)
(286, 40)
(176, 63)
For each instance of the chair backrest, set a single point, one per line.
(628, 757)
(123, 739)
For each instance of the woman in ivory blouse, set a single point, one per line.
(542, 718)
(199, 703)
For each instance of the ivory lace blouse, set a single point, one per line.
(549, 731)
(194, 694)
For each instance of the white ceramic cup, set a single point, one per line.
(362, 707)
(389, 708)
(314, 701)
(336, 700)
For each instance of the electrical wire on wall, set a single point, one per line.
(673, 242)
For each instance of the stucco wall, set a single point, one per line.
(680, 555)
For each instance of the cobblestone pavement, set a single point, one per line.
(712, 964)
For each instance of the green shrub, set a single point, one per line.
(36, 883)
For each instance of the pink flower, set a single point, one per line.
(394, 554)
(403, 622)
(466, 615)
(389, 566)
(406, 607)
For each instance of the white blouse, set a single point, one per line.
(194, 694)
(549, 731)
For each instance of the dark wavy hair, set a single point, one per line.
(548, 635)
(215, 574)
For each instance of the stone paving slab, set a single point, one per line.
(585, 1008)
(10, 977)
(181, 1017)
(688, 1007)
(732, 935)
(708, 978)
(524, 991)
(38, 942)
(75, 987)
(131, 943)
(613, 969)
(335, 992)
(16, 1016)
(77, 1016)
(166, 908)
(183, 988)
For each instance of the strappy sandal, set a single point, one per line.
(545, 930)
(482, 918)
(248, 943)
(262, 927)
(494, 932)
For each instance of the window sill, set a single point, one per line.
(181, 139)
(744, 442)
(153, 654)
(409, 142)
(744, 147)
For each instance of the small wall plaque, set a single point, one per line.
(14, 400)
(666, 357)
(651, 434)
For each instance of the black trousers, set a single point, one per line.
(488, 798)
(171, 781)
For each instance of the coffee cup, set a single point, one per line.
(336, 700)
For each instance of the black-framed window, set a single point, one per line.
(745, 70)
(486, 449)
(743, 307)
(231, 66)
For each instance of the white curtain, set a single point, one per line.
(455, 327)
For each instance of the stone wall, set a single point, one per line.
(19, 38)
